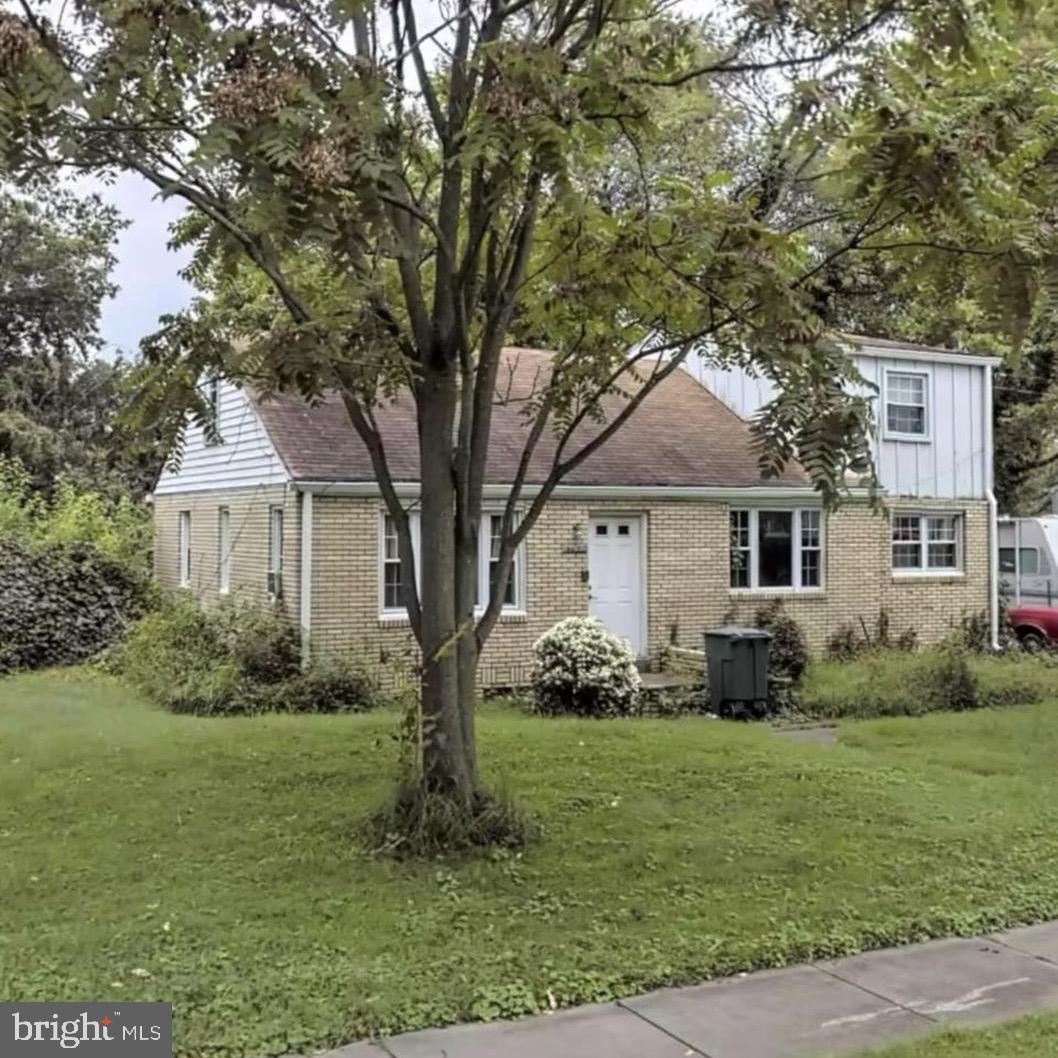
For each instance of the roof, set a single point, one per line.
(917, 351)
(681, 435)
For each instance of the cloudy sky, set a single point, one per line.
(148, 273)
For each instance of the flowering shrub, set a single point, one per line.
(583, 669)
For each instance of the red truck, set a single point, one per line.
(1035, 626)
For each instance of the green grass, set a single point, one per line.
(213, 863)
(1035, 1037)
(891, 683)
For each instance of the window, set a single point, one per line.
(1030, 560)
(926, 543)
(906, 403)
(489, 537)
(776, 549)
(391, 572)
(184, 547)
(275, 552)
(223, 550)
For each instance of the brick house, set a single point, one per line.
(664, 531)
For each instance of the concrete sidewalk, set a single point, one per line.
(813, 1010)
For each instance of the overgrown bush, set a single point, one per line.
(896, 683)
(62, 603)
(120, 529)
(788, 654)
(950, 684)
(854, 638)
(235, 658)
(582, 669)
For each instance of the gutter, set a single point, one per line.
(305, 565)
(993, 514)
(803, 494)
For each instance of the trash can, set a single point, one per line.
(737, 665)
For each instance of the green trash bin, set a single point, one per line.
(737, 666)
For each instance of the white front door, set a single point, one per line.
(614, 573)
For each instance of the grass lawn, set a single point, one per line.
(212, 862)
(1035, 1037)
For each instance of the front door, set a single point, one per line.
(614, 573)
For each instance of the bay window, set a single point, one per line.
(777, 548)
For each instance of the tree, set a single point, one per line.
(374, 204)
(59, 401)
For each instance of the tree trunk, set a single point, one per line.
(448, 765)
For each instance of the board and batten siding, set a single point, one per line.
(951, 464)
(244, 458)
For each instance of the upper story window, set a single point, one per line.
(776, 549)
(489, 539)
(927, 543)
(907, 405)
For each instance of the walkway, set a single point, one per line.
(825, 1008)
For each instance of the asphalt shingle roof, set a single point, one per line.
(681, 435)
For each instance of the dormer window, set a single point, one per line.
(907, 405)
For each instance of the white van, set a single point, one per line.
(1028, 560)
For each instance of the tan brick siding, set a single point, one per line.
(687, 588)
(249, 534)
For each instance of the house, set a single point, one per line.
(666, 530)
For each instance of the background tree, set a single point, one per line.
(59, 399)
(376, 205)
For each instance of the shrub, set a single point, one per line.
(950, 684)
(329, 685)
(119, 529)
(788, 655)
(235, 659)
(583, 669)
(62, 603)
(892, 683)
(853, 639)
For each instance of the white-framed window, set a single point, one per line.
(275, 551)
(927, 543)
(907, 405)
(777, 548)
(489, 537)
(1030, 561)
(223, 550)
(184, 547)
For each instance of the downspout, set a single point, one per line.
(305, 595)
(993, 515)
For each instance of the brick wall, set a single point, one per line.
(687, 587)
(249, 536)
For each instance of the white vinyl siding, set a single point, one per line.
(391, 574)
(777, 549)
(223, 550)
(926, 543)
(184, 546)
(950, 463)
(244, 458)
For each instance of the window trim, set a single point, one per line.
(797, 542)
(924, 569)
(927, 412)
(518, 570)
(183, 544)
(224, 550)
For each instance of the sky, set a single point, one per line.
(147, 272)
